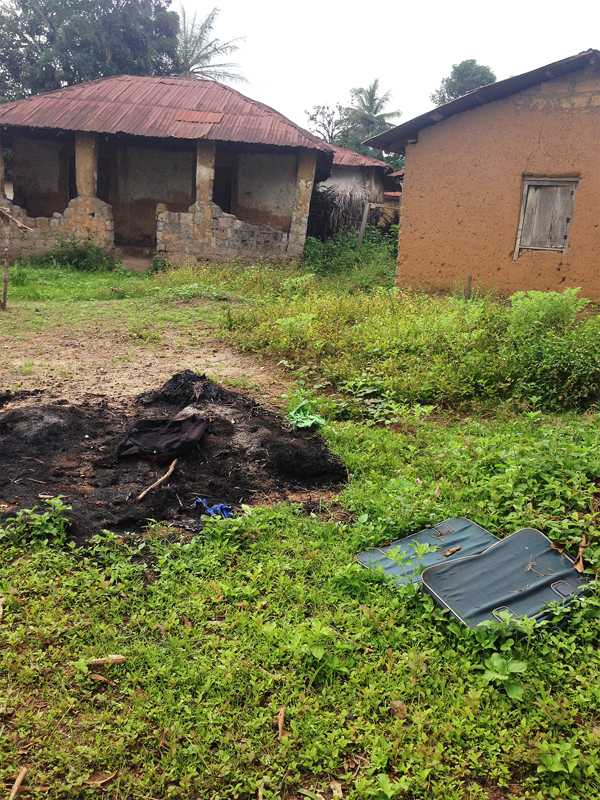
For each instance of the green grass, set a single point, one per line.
(384, 696)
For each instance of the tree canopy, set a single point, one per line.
(349, 125)
(463, 78)
(200, 52)
(328, 122)
(46, 44)
(367, 113)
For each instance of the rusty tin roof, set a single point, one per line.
(396, 139)
(342, 157)
(159, 107)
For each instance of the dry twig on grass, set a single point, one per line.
(578, 563)
(106, 661)
(281, 731)
(157, 483)
(17, 784)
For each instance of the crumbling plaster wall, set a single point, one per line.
(139, 178)
(265, 189)
(181, 230)
(462, 192)
(41, 179)
(206, 232)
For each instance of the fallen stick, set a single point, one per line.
(157, 483)
(20, 225)
(107, 660)
(4, 301)
(2, 601)
(281, 731)
(17, 784)
(578, 563)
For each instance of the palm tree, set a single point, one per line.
(367, 110)
(199, 51)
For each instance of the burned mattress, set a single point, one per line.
(404, 560)
(522, 574)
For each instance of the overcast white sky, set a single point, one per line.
(298, 54)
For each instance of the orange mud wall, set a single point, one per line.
(463, 186)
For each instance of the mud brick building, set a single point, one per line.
(503, 185)
(186, 168)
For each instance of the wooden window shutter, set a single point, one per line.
(546, 213)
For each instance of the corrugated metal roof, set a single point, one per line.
(396, 138)
(342, 157)
(158, 107)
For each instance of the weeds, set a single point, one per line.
(384, 351)
(72, 253)
(383, 696)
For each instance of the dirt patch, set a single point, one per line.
(106, 360)
(248, 453)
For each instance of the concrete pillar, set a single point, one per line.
(205, 178)
(86, 164)
(305, 178)
(2, 187)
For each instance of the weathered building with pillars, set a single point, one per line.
(186, 168)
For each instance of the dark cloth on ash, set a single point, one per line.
(164, 439)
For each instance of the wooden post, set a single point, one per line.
(468, 290)
(5, 268)
(363, 223)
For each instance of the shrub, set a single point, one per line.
(559, 370)
(385, 350)
(370, 264)
(533, 312)
(81, 255)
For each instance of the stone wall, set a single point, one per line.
(183, 237)
(84, 218)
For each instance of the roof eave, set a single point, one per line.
(396, 139)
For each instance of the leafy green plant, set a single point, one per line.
(159, 264)
(546, 311)
(30, 525)
(302, 415)
(502, 671)
(558, 757)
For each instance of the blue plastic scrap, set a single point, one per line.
(405, 559)
(216, 510)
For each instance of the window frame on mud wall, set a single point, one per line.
(549, 181)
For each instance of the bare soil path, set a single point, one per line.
(101, 360)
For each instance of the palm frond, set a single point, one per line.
(200, 52)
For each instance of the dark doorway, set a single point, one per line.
(134, 177)
(43, 173)
(225, 175)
